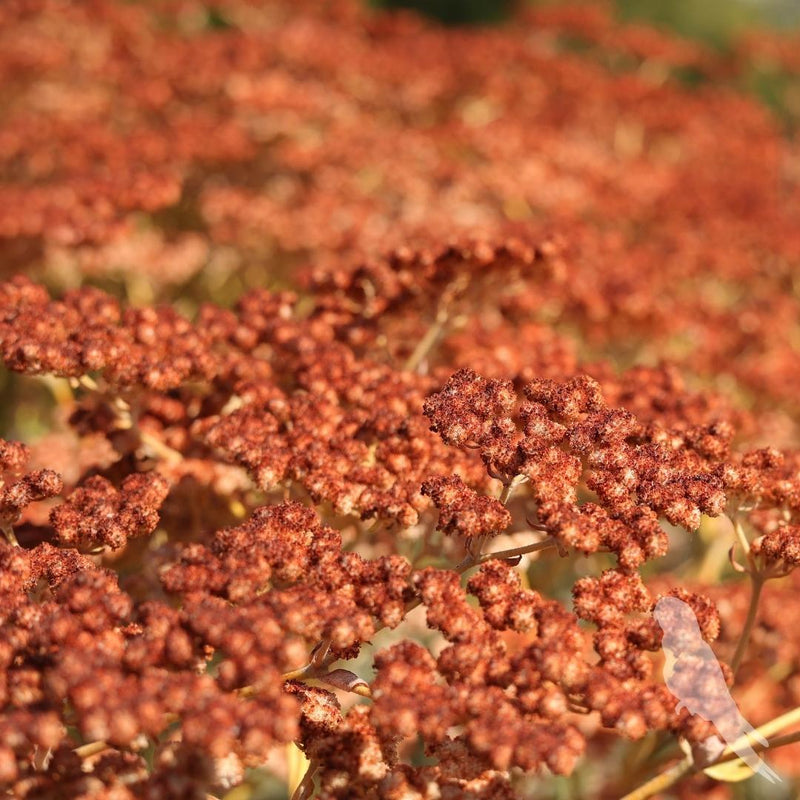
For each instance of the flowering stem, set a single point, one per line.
(544, 544)
(427, 342)
(305, 788)
(475, 553)
(161, 450)
(741, 535)
(757, 584)
(126, 421)
(509, 486)
(42, 757)
(8, 532)
(293, 675)
(317, 666)
(778, 741)
(772, 727)
(90, 749)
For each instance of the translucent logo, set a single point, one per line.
(694, 676)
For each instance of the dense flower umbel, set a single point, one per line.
(96, 514)
(258, 599)
(324, 134)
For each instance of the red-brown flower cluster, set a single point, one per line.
(281, 596)
(98, 515)
(563, 437)
(18, 488)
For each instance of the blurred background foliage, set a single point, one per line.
(717, 23)
(714, 21)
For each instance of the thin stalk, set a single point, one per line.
(741, 535)
(305, 788)
(317, 666)
(757, 584)
(544, 544)
(769, 728)
(509, 486)
(161, 450)
(778, 741)
(98, 746)
(90, 749)
(427, 342)
(126, 421)
(8, 532)
(475, 554)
